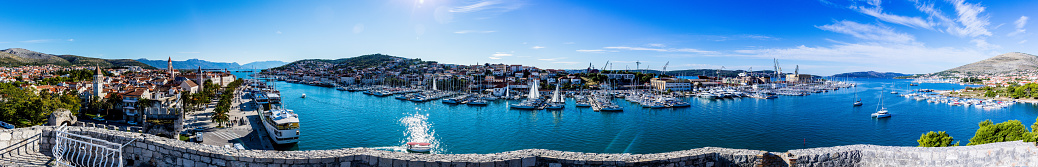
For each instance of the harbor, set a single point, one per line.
(379, 122)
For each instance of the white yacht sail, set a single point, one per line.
(534, 93)
(555, 96)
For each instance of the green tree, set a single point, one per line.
(936, 139)
(1020, 92)
(1011, 130)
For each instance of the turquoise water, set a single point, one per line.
(332, 119)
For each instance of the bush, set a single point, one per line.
(936, 139)
(1011, 130)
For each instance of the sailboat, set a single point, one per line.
(556, 102)
(858, 102)
(881, 112)
(532, 101)
(892, 89)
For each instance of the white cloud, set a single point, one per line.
(1022, 42)
(983, 44)
(37, 41)
(760, 37)
(495, 58)
(489, 5)
(71, 40)
(656, 45)
(189, 52)
(689, 50)
(278, 32)
(592, 50)
(358, 28)
(913, 58)
(868, 32)
(569, 43)
(501, 54)
(973, 24)
(552, 59)
(635, 48)
(565, 62)
(1020, 23)
(537, 47)
(877, 11)
(473, 32)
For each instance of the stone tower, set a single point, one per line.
(169, 66)
(201, 79)
(98, 85)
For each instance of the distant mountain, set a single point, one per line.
(358, 62)
(871, 74)
(195, 63)
(19, 57)
(263, 64)
(1009, 62)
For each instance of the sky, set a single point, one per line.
(822, 37)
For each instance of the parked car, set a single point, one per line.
(239, 146)
(198, 137)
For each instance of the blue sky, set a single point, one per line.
(821, 36)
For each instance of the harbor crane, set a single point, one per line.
(665, 68)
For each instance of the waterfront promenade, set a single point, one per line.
(245, 126)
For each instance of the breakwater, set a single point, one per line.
(31, 147)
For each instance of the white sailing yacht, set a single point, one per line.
(556, 101)
(881, 111)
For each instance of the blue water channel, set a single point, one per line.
(332, 119)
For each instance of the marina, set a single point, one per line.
(750, 123)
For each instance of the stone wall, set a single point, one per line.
(150, 150)
(1015, 153)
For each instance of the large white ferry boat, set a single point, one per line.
(282, 125)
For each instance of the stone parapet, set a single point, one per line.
(150, 150)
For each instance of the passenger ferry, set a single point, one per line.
(282, 125)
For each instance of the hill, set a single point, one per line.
(871, 74)
(263, 64)
(19, 57)
(1005, 63)
(359, 62)
(195, 63)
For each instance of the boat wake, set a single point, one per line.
(419, 130)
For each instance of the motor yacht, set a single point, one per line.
(419, 147)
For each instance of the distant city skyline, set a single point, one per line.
(823, 37)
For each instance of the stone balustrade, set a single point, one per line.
(150, 150)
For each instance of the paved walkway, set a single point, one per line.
(243, 128)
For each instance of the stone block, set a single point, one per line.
(415, 164)
(345, 164)
(399, 163)
(529, 161)
(263, 160)
(219, 162)
(5, 136)
(384, 161)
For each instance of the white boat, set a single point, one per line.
(881, 111)
(282, 125)
(858, 102)
(477, 102)
(556, 102)
(418, 147)
(304, 95)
